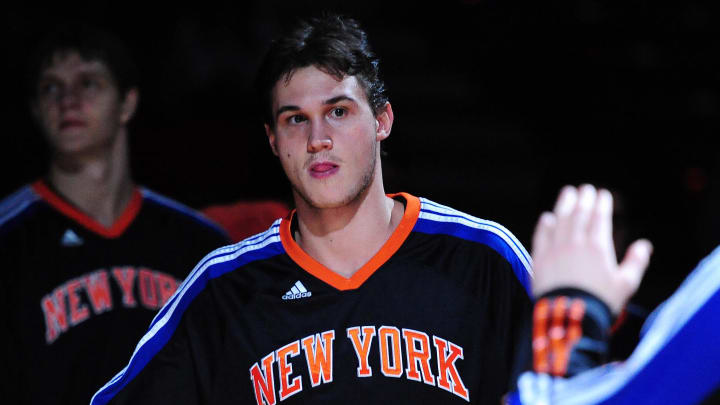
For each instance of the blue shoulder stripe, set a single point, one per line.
(439, 219)
(172, 204)
(215, 264)
(16, 203)
(676, 361)
(256, 240)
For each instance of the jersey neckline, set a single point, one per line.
(70, 211)
(320, 271)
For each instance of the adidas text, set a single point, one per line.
(290, 296)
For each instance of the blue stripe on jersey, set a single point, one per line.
(438, 219)
(217, 263)
(170, 203)
(16, 203)
(215, 254)
(696, 365)
(676, 362)
(432, 206)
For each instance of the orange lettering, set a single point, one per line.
(53, 306)
(392, 333)
(319, 356)
(166, 286)
(148, 292)
(98, 289)
(285, 369)
(263, 381)
(362, 347)
(125, 276)
(448, 376)
(418, 356)
(78, 312)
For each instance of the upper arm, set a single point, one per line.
(169, 377)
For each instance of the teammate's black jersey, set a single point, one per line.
(78, 295)
(431, 318)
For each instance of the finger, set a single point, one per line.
(634, 265)
(543, 234)
(566, 201)
(600, 226)
(581, 214)
(565, 206)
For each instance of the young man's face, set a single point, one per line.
(326, 136)
(78, 105)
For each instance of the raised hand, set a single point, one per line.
(573, 247)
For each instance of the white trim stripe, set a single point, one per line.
(480, 224)
(217, 253)
(600, 383)
(676, 312)
(218, 256)
(16, 203)
(194, 277)
(443, 209)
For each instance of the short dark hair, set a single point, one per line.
(334, 44)
(92, 44)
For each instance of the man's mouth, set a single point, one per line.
(322, 170)
(71, 122)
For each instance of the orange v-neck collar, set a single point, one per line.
(317, 269)
(67, 209)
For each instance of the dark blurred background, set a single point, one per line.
(497, 105)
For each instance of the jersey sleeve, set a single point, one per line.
(169, 377)
(175, 361)
(676, 361)
(162, 368)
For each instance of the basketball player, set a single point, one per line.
(581, 288)
(357, 296)
(87, 256)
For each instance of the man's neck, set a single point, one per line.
(344, 239)
(99, 184)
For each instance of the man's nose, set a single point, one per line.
(320, 138)
(68, 97)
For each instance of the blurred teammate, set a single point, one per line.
(356, 296)
(87, 256)
(581, 287)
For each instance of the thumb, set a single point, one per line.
(634, 265)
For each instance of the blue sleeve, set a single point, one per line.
(677, 361)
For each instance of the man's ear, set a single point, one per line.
(383, 122)
(271, 138)
(129, 105)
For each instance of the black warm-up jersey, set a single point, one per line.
(431, 318)
(78, 295)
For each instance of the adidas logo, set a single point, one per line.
(297, 291)
(70, 238)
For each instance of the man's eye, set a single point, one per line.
(296, 119)
(90, 84)
(338, 112)
(48, 89)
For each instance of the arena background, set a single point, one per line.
(497, 105)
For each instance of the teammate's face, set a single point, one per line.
(78, 104)
(326, 137)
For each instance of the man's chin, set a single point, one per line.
(326, 201)
(327, 198)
